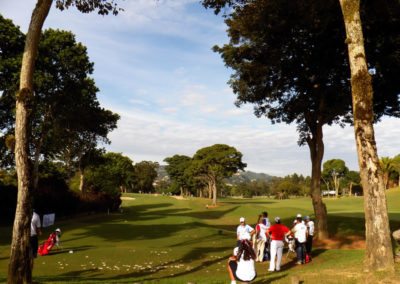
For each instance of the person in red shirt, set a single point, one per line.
(277, 233)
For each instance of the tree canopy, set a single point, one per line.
(66, 117)
(214, 163)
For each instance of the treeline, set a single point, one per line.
(336, 180)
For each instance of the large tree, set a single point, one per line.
(214, 163)
(177, 171)
(291, 71)
(334, 170)
(20, 266)
(379, 253)
(290, 62)
(144, 175)
(65, 109)
(113, 175)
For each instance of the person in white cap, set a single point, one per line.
(243, 231)
(58, 236)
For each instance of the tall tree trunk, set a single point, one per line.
(379, 254)
(214, 190)
(336, 183)
(350, 188)
(316, 145)
(82, 184)
(386, 180)
(19, 268)
(38, 148)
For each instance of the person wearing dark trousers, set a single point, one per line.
(310, 235)
(300, 235)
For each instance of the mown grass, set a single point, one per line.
(158, 239)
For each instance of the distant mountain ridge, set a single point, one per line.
(235, 179)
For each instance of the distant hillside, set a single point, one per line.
(237, 178)
(248, 176)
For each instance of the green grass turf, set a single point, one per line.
(158, 239)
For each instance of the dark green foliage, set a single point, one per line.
(103, 7)
(290, 185)
(219, 160)
(286, 64)
(251, 188)
(177, 170)
(114, 175)
(66, 119)
(144, 175)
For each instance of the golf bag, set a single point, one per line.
(267, 251)
(52, 240)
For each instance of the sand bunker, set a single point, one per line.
(127, 198)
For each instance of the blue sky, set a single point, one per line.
(155, 67)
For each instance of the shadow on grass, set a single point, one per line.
(269, 279)
(73, 249)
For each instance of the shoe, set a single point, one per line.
(233, 282)
(271, 270)
(299, 262)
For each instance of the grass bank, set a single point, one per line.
(159, 239)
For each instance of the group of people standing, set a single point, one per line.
(266, 242)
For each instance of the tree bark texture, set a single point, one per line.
(316, 145)
(82, 182)
(214, 188)
(379, 254)
(19, 269)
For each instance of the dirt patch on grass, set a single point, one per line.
(127, 198)
(178, 197)
(348, 242)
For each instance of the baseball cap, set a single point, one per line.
(242, 219)
(307, 218)
(58, 230)
(298, 216)
(277, 219)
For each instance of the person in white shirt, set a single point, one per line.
(310, 236)
(300, 235)
(261, 239)
(35, 231)
(241, 264)
(243, 231)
